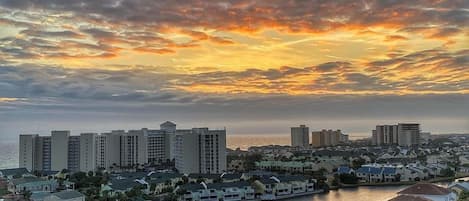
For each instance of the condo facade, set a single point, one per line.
(300, 136)
(325, 138)
(197, 150)
(402, 134)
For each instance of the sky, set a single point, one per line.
(252, 67)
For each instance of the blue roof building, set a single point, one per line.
(344, 170)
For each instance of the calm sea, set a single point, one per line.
(8, 154)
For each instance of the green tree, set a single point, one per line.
(447, 172)
(464, 196)
(27, 194)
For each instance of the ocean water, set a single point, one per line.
(8, 154)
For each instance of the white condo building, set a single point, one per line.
(59, 150)
(200, 150)
(195, 150)
(88, 152)
(300, 136)
(402, 134)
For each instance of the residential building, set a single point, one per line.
(386, 134)
(325, 138)
(282, 187)
(26, 153)
(108, 151)
(300, 136)
(88, 152)
(133, 148)
(14, 172)
(408, 134)
(59, 150)
(70, 195)
(429, 191)
(402, 134)
(32, 184)
(230, 191)
(200, 150)
(197, 150)
(43, 153)
(73, 163)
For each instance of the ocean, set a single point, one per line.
(8, 154)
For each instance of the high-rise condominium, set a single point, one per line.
(326, 138)
(402, 134)
(300, 136)
(200, 150)
(59, 150)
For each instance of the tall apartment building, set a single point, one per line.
(108, 149)
(402, 134)
(196, 150)
(43, 153)
(326, 138)
(160, 141)
(200, 150)
(133, 148)
(88, 152)
(59, 150)
(27, 151)
(408, 134)
(300, 136)
(386, 134)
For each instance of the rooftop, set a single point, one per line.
(425, 189)
(65, 195)
(14, 171)
(409, 198)
(27, 180)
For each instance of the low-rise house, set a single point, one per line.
(66, 196)
(280, 187)
(231, 191)
(429, 191)
(459, 187)
(14, 173)
(32, 184)
(409, 198)
(206, 178)
(369, 174)
(390, 174)
(345, 170)
(115, 186)
(231, 177)
(163, 181)
(39, 196)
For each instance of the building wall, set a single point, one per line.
(408, 134)
(387, 134)
(59, 150)
(327, 138)
(316, 139)
(300, 136)
(88, 152)
(186, 151)
(157, 146)
(26, 152)
(73, 163)
(42, 152)
(200, 150)
(133, 148)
